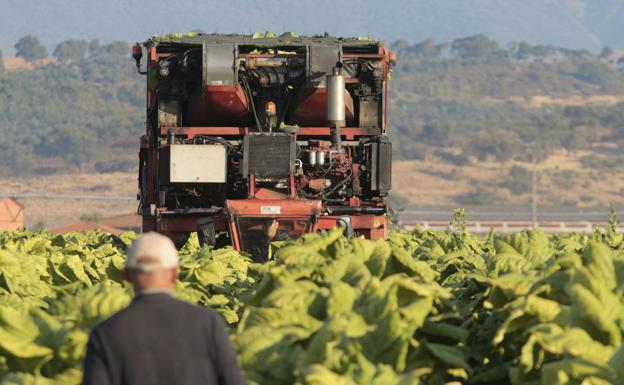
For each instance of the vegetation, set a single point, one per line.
(71, 50)
(469, 99)
(29, 48)
(421, 308)
(475, 95)
(72, 115)
(95, 218)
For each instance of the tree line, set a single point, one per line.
(464, 100)
(473, 95)
(30, 49)
(80, 113)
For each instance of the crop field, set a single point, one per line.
(421, 308)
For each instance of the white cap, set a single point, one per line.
(150, 252)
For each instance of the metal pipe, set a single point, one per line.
(337, 137)
(337, 210)
(312, 158)
(336, 104)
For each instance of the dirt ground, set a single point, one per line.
(13, 63)
(53, 212)
(562, 180)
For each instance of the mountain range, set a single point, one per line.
(590, 24)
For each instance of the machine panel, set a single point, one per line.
(381, 167)
(193, 164)
(219, 68)
(269, 156)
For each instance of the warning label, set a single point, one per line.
(270, 210)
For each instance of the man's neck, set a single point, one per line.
(153, 291)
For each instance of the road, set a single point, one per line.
(507, 218)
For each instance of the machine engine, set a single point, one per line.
(283, 128)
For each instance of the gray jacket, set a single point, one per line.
(161, 340)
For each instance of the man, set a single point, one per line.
(158, 339)
(258, 246)
(272, 231)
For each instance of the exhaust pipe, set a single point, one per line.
(336, 104)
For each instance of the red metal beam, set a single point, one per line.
(350, 133)
(273, 207)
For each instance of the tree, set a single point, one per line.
(519, 181)
(1, 63)
(117, 48)
(606, 53)
(399, 45)
(439, 132)
(71, 50)
(427, 48)
(596, 73)
(526, 51)
(576, 55)
(94, 45)
(477, 47)
(29, 48)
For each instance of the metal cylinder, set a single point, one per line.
(312, 158)
(337, 138)
(170, 136)
(336, 98)
(320, 158)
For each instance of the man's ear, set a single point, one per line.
(174, 275)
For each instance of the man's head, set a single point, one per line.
(152, 263)
(270, 227)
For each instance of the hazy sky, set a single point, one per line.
(571, 23)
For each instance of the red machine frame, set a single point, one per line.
(176, 226)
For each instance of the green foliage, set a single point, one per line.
(479, 197)
(519, 180)
(477, 47)
(95, 218)
(469, 94)
(477, 96)
(94, 45)
(525, 51)
(426, 48)
(55, 288)
(71, 50)
(438, 307)
(460, 159)
(72, 115)
(29, 48)
(421, 308)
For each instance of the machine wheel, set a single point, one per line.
(206, 232)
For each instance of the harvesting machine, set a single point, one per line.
(263, 137)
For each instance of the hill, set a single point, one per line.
(569, 23)
(469, 94)
(65, 116)
(465, 104)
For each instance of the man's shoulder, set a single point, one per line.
(185, 307)
(167, 303)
